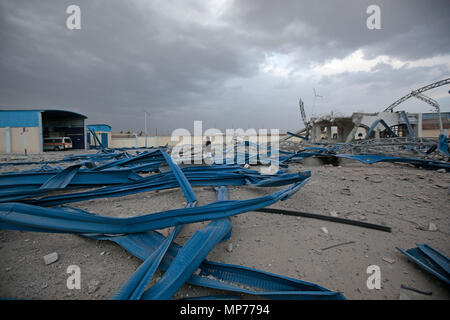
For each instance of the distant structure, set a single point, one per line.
(331, 128)
(103, 133)
(24, 131)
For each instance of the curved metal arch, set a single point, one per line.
(416, 92)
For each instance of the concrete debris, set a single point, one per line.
(93, 286)
(432, 227)
(51, 258)
(333, 213)
(388, 260)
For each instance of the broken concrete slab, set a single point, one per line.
(51, 258)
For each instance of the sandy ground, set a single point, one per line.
(402, 197)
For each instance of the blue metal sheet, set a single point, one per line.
(134, 287)
(19, 118)
(187, 260)
(443, 145)
(297, 135)
(225, 276)
(430, 260)
(99, 127)
(19, 216)
(209, 177)
(380, 121)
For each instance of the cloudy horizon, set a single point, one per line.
(232, 64)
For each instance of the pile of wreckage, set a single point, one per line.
(35, 200)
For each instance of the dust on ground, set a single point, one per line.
(402, 197)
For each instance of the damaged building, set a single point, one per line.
(365, 125)
(24, 131)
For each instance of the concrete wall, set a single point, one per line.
(17, 140)
(163, 140)
(430, 133)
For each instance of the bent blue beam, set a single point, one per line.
(166, 181)
(436, 256)
(181, 178)
(430, 260)
(134, 287)
(62, 179)
(297, 135)
(187, 260)
(372, 158)
(96, 139)
(225, 276)
(408, 124)
(443, 145)
(81, 178)
(375, 123)
(72, 178)
(151, 156)
(19, 216)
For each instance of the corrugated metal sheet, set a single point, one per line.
(19, 118)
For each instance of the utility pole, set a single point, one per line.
(145, 117)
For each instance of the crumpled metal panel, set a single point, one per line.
(430, 260)
(19, 216)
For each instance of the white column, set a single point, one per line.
(8, 139)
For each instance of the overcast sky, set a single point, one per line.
(229, 63)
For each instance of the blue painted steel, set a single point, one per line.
(443, 145)
(430, 260)
(181, 178)
(380, 121)
(408, 124)
(96, 139)
(19, 216)
(187, 260)
(62, 179)
(19, 118)
(151, 156)
(155, 250)
(225, 276)
(297, 135)
(135, 286)
(213, 176)
(436, 256)
(372, 158)
(105, 139)
(99, 127)
(81, 178)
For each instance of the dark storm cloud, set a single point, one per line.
(328, 29)
(180, 63)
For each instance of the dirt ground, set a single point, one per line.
(405, 198)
